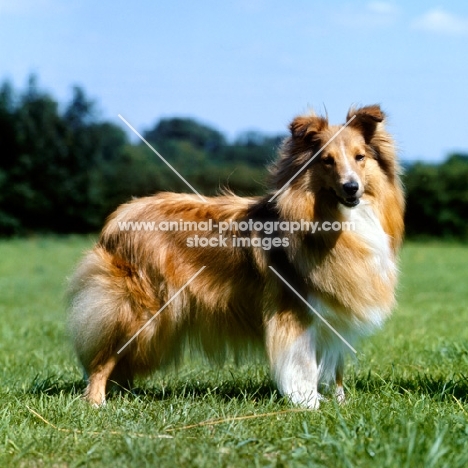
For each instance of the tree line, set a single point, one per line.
(63, 169)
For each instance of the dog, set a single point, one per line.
(140, 295)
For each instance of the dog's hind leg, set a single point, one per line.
(99, 374)
(339, 392)
(104, 315)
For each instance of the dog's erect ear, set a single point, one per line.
(306, 127)
(366, 120)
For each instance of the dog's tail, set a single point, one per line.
(109, 302)
(97, 306)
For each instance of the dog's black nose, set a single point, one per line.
(351, 188)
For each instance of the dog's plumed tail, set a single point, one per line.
(109, 305)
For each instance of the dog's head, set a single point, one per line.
(337, 157)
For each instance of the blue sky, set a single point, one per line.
(255, 64)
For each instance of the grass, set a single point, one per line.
(407, 389)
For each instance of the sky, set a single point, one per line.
(251, 65)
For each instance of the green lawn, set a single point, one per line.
(407, 389)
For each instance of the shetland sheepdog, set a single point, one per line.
(303, 297)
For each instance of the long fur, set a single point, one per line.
(237, 304)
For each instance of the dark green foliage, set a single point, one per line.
(51, 162)
(253, 148)
(178, 129)
(64, 170)
(207, 161)
(437, 198)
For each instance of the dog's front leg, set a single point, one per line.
(291, 347)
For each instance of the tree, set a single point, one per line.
(184, 129)
(437, 198)
(51, 160)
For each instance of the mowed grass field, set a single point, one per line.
(407, 388)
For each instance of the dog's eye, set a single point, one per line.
(328, 161)
(360, 157)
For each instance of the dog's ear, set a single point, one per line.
(366, 119)
(307, 127)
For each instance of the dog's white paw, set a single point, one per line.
(309, 400)
(95, 396)
(340, 395)
(303, 393)
(99, 405)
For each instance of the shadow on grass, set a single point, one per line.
(249, 389)
(55, 385)
(439, 388)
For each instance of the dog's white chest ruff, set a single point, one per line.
(367, 227)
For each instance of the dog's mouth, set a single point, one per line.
(349, 202)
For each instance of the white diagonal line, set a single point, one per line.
(312, 158)
(161, 309)
(312, 309)
(160, 157)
